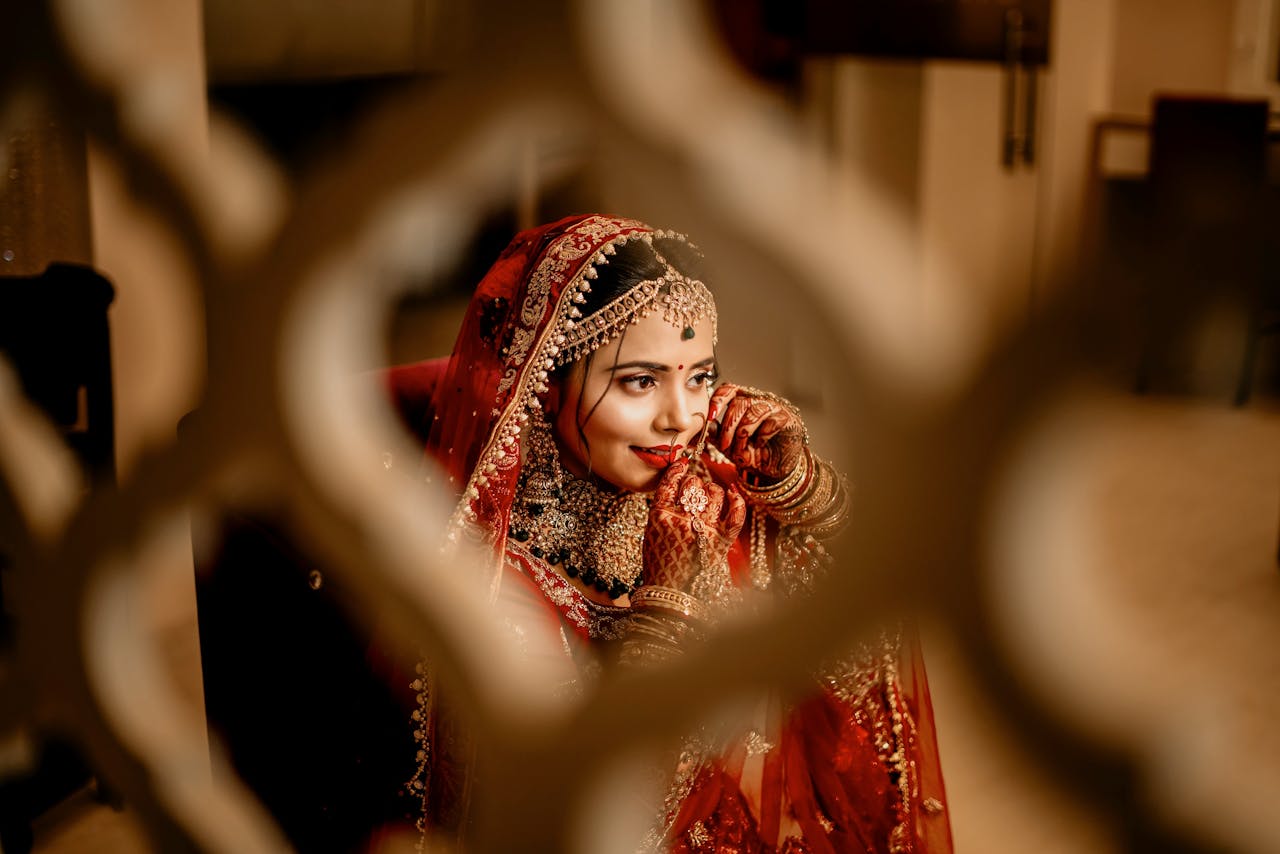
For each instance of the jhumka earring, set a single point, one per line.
(543, 481)
(593, 536)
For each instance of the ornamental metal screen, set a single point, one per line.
(963, 442)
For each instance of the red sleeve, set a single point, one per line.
(410, 388)
(932, 824)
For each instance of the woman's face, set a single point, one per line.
(642, 400)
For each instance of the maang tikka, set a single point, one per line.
(684, 302)
(593, 535)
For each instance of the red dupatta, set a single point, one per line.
(499, 367)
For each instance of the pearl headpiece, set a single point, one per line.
(683, 302)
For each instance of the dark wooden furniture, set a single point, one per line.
(1195, 231)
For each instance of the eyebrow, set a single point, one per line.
(654, 366)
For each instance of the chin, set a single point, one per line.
(642, 482)
(650, 486)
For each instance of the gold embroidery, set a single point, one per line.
(802, 560)
(602, 622)
(555, 588)
(869, 682)
(529, 378)
(694, 754)
(420, 783)
(904, 737)
(757, 744)
(697, 835)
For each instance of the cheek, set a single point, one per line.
(619, 421)
(611, 420)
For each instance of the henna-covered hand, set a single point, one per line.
(760, 434)
(692, 523)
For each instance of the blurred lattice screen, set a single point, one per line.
(1081, 708)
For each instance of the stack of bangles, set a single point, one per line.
(811, 496)
(662, 618)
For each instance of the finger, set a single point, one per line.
(766, 433)
(669, 486)
(699, 440)
(743, 445)
(746, 427)
(772, 426)
(760, 413)
(734, 513)
(737, 409)
(786, 444)
(718, 425)
(720, 399)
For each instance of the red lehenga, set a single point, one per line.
(853, 768)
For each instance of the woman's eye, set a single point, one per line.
(640, 381)
(703, 379)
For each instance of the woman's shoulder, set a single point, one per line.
(590, 619)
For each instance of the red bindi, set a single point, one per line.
(679, 367)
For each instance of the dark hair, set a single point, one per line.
(633, 263)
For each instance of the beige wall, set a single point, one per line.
(1077, 91)
(1255, 49)
(1169, 46)
(1002, 240)
(156, 320)
(253, 41)
(930, 134)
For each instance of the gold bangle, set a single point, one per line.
(786, 492)
(818, 490)
(656, 637)
(779, 492)
(637, 653)
(831, 523)
(655, 598)
(669, 630)
(826, 517)
(821, 488)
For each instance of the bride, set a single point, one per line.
(631, 502)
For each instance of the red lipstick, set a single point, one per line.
(659, 456)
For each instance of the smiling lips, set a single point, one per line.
(658, 457)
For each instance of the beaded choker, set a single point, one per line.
(593, 535)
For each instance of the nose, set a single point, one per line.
(678, 411)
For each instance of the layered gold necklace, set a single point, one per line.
(592, 535)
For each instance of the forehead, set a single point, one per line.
(653, 339)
